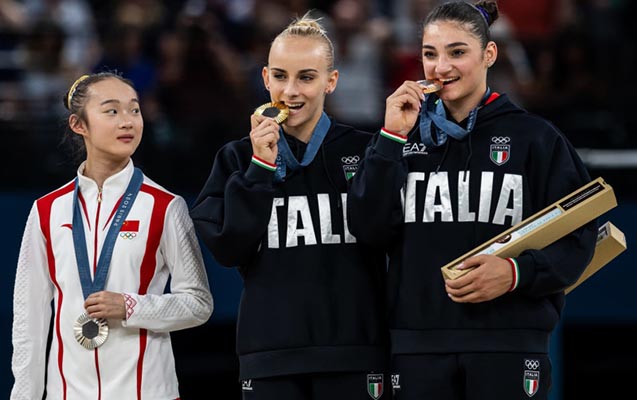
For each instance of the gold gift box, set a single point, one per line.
(546, 226)
(611, 242)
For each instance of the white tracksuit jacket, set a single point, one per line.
(156, 241)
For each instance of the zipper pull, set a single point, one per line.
(99, 195)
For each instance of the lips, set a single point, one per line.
(295, 106)
(446, 81)
(126, 138)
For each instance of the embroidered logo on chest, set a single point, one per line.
(350, 165)
(500, 150)
(129, 229)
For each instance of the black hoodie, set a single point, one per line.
(313, 298)
(512, 165)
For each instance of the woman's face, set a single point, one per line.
(455, 56)
(114, 121)
(297, 75)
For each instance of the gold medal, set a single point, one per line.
(90, 332)
(430, 86)
(276, 110)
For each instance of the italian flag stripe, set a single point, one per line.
(515, 268)
(393, 136)
(498, 156)
(263, 163)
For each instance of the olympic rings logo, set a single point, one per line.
(128, 235)
(350, 159)
(500, 139)
(532, 364)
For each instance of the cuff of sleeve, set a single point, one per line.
(390, 144)
(526, 271)
(515, 271)
(260, 171)
(130, 303)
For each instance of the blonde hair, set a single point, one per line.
(309, 27)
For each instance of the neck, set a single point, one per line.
(100, 170)
(461, 108)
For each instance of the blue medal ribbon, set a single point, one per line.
(285, 159)
(79, 240)
(434, 117)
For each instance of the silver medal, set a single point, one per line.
(90, 332)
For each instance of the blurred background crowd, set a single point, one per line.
(197, 67)
(197, 63)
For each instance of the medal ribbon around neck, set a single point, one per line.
(79, 240)
(433, 115)
(286, 159)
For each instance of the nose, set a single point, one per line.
(443, 65)
(126, 123)
(291, 88)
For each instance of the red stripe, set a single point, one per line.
(83, 203)
(493, 96)
(112, 212)
(147, 270)
(44, 210)
(99, 379)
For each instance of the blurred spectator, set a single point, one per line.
(359, 44)
(75, 18)
(124, 52)
(512, 73)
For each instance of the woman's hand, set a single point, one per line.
(264, 137)
(107, 305)
(490, 278)
(402, 108)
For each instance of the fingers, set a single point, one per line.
(264, 138)
(105, 305)
(402, 107)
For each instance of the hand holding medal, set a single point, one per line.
(265, 130)
(93, 332)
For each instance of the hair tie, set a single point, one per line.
(74, 88)
(484, 13)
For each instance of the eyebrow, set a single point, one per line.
(450, 45)
(117, 101)
(301, 71)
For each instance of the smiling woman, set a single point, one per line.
(102, 248)
(449, 170)
(311, 320)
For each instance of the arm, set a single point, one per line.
(374, 209)
(32, 297)
(559, 265)
(232, 212)
(189, 302)
(535, 273)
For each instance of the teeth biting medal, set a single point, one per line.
(276, 110)
(430, 85)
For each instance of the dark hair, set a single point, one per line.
(75, 101)
(476, 17)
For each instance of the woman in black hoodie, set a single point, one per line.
(448, 172)
(311, 320)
